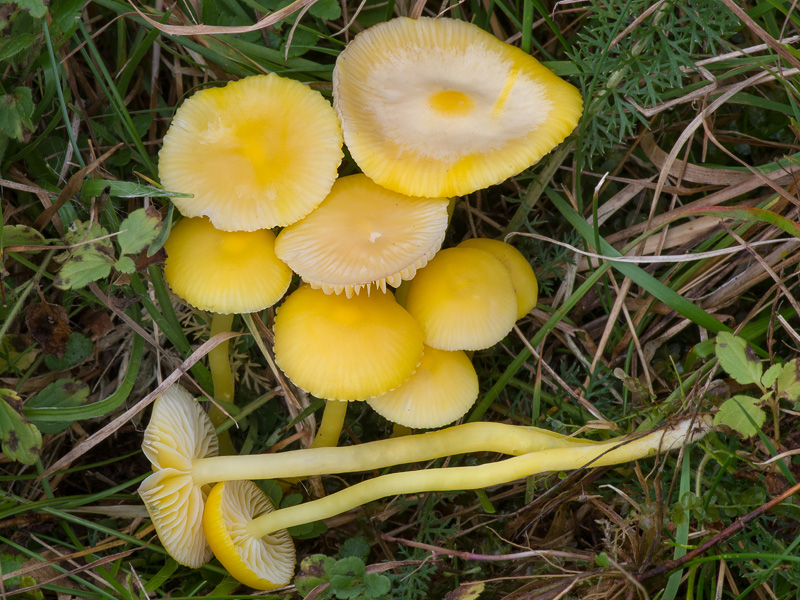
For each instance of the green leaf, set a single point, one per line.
(61, 394)
(327, 10)
(138, 230)
(22, 235)
(16, 110)
(17, 353)
(788, 382)
(601, 560)
(742, 414)
(20, 439)
(36, 8)
(125, 265)
(12, 45)
(79, 347)
(86, 262)
(355, 546)
(770, 375)
(379, 586)
(738, 359)
(82, 269)
(10, 563)
(352, 566)
(314, 570)
(308, 531)
(126, 189)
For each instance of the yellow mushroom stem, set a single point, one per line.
(478, 477)
(222, 377)
(459, 439)
(332, 424)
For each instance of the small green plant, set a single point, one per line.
(347, 578)
(743, 413)
(93, 255)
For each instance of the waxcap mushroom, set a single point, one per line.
(463, 299)
(345, 349)
(440, 107)
(263, 563)
(442, 389)
(179, 431)
(257, 153)
(224, 271)
(522, 275)
(363, 235)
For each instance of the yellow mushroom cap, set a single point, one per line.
(522, 275)
(224, 271)
(363, 235)
(439, 107)
(442, 389)
(346, 349)
(179, 431)
(261, 563)
(257, 153)
(463, 299)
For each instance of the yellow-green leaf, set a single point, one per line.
(742, 414)
(738, 359)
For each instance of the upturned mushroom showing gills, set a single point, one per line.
(225, 273)
(257, 153)
(442, 480)
(181, 445)
(363, 235)
(440, 107)
(263, 563)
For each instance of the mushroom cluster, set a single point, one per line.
(429, 109)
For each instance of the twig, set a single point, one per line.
(723, 535)
(489, 557)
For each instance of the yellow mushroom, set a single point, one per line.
(257, 153)
(363, 236)
(440, 107)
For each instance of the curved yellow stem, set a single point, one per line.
(481, 476)
(459, 439)
(221, 375)
(330, 428)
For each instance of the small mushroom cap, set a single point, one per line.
(363, 235)
(224, 271)
(443, 388)
(346, 349)
(261, 563)
(439, 107)
(522, 275)
(179, 432)
(257, 153)
(464, 300)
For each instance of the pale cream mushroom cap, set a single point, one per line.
(522, 276)
(440, 107)
(464, 300)
(442, 389)
(257, 153)
(262, 563)
(179, 431)
(363, 235)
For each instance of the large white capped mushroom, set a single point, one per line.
(440, 107)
